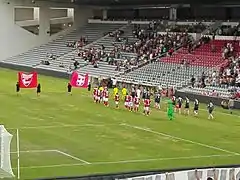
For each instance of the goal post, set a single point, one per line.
(5, 150)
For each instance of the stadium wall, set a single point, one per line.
(22, 14)
(16, 40)
(222, 173)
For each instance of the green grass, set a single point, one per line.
(110, 140)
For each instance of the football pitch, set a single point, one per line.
(62, 135)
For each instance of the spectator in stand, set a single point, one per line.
(193, 80)
(77, 44)
(75, 64)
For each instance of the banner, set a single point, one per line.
(28, 80)
(200, 174)
(78, 80)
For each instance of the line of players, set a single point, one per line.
(178, 102)
(132, 102)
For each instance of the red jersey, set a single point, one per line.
(147, 102)
(136, 101)
(95, 91)
(130, 98)
(105, 94)
(127, 98)
(117, 98)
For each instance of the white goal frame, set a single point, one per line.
(18, 155)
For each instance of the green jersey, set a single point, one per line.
(170, 105)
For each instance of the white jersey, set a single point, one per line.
(138, 93)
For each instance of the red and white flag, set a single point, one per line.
(78, 80)
(28, 80)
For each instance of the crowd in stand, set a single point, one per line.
(227, 76)
(78, 44)
(149, 45)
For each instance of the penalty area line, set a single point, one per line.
(35, 151)
(73, 157)
(127, 161)
(181, 139)
(54, 151)
(63, 125)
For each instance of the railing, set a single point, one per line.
(230, 171)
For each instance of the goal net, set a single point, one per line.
(5, 158)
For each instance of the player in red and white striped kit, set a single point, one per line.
(117, 98)
(126, 104)
(147, 103)
(105, 97)
(136, 103)
(98, 97)
(95, 94)
(130, 103)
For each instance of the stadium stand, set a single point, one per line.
(163, 74)
(66, 62)
(190, 28)
(147, 45)
(59, 47)
(225, 80)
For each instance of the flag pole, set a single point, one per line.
(18, 155)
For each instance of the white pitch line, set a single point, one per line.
(63, 125)
(73, 157)
(126, 161)
(181, 139)
(36, 151)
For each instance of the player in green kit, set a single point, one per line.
(170, 110)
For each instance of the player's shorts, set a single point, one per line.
(210, 111)
(116, 102)
(195, 109)
(105, 99)
(126, 104)
(146, 108)
(136, 105)
(130, 104)
(179, 106)
(187, 107)
(98, 98)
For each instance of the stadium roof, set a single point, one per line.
(143, 2)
